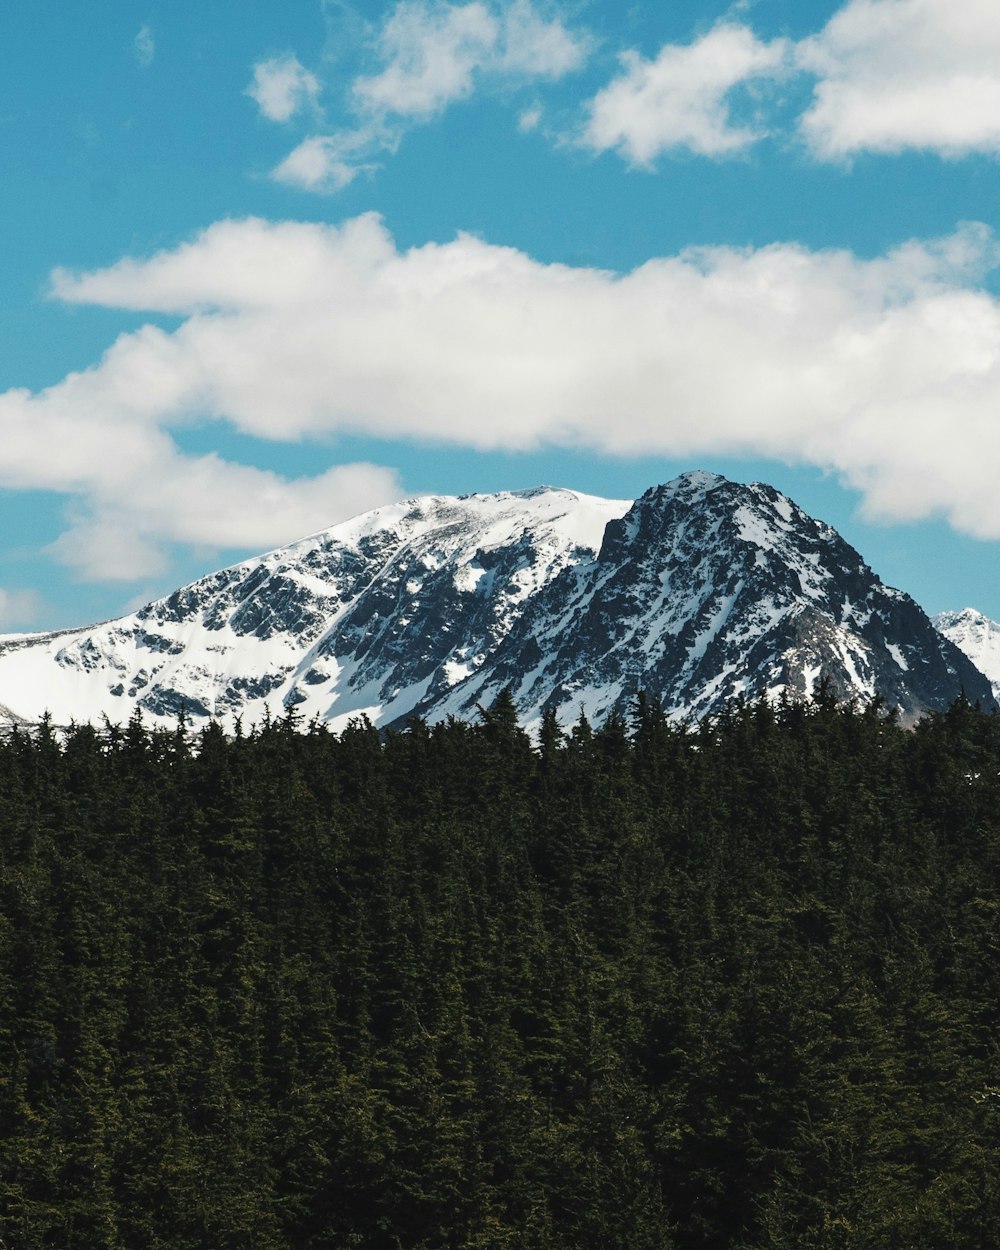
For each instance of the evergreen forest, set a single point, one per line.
(728, 986)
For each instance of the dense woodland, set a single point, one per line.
(638, 988)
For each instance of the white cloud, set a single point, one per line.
(530, 119)
(430, 54)
(319, 163)
(538, 48)
(430, 51)
(679, 100)
(101, 437)
(282, 87)
(144, 46)
(890, 75)
(120, 533)
(885, 370)
(899, 74)
(19, 608)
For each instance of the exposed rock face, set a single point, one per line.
(708, 589)
(700, 590)
(978, 637)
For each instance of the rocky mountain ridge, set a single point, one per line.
(978, 637)
(701, 590)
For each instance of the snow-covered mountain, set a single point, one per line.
(700, 590)
(372, 616)
(978, 637)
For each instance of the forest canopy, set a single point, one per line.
(646, 986)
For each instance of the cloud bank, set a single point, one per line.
(885, 371)
(102, 438)
(680, 99)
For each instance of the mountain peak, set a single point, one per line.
(701, 590)
(687, 486)
(970, 617)
(977, 637)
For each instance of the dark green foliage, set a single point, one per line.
(644, 987)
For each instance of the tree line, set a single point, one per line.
(639, 987)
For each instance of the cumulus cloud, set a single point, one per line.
(890, 75)
(681, 99)
(101, 437)
(144, 46)
(120, 530)
(321, 163)
(537, 48)
(885, 370)
(282, 86)
(429, 54)
(134, 493)
(431, 51)
(899, 74)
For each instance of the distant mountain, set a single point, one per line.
(978, 637)
(700, 590)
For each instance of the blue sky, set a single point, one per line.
(268, 266)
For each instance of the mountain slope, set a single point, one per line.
(701, 590)
(372, 614)
(978, 637)
(707, 589)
